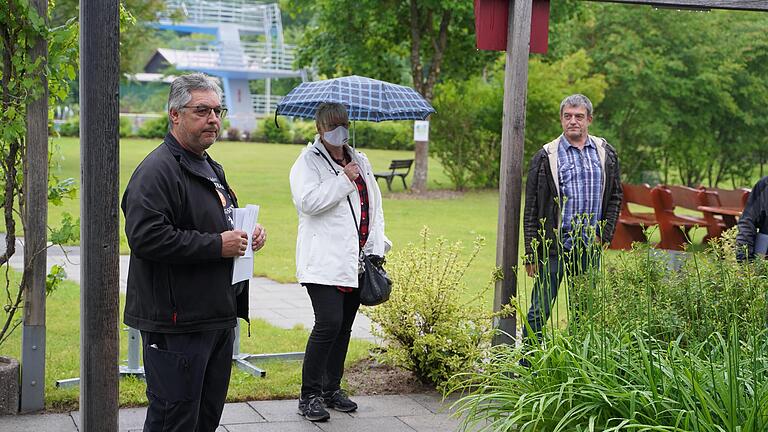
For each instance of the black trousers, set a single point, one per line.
(328, 343)
(187, 379)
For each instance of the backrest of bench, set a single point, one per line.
(402, 163)
(637, 194)
(683, 196)
(730, 198)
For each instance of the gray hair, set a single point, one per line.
(183, 86)
(577, 100)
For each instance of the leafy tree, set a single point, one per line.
(467, 133)
(20, 28)
(401, 41)
(684, 97)
(137, 39)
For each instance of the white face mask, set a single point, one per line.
(337, 137)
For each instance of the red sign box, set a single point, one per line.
(491, 18)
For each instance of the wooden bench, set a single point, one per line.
(721, 207)
(675, 228)
(398, 168)
(631, 225)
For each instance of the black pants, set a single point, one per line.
(328, 343)
(187, 379)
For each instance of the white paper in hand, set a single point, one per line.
(245, 219)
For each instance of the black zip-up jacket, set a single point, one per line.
(177, 281)
(541, 191)
(753, 219)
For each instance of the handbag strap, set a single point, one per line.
(348, 200)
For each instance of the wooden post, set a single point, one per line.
(512, 140)
(35, 214)
(99, 226)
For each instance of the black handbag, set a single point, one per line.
(374, 283)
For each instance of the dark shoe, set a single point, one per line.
(312, 409)
(339, 401)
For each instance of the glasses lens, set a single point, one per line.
(204, 111)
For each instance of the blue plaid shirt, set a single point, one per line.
(581, 187)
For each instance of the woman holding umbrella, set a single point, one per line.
(340, 215)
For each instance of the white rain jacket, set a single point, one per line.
(327, 243)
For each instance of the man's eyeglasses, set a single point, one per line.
(204, 111)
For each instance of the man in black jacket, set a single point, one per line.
(753, 221)
(178, 211)
(572, 201)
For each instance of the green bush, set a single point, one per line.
(384, 135)
(664, 342)
(426, 326)
(303, 131)
(71, 128)
(269, 132)
(155, 128)
(126, 127)
(468, 149)
(709, 292)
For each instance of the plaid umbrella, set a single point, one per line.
(365, 98)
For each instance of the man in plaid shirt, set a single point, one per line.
(572, 202)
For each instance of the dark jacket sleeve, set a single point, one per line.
(751, 218)
(613, 207)
(151, 205)
(531, 223)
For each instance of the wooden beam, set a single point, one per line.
(35, 214)
(99, 223)
(754, 5)
(512, 140)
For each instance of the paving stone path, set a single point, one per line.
(392, 413)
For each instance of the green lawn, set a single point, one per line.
(259, 175)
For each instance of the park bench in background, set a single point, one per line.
(398, 168)
(631, 225)
(675, 228)
(721, 207)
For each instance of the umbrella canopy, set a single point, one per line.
(365, 98)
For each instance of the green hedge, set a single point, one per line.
(155, 128)
(384, 135)
(71, 128)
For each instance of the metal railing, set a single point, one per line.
(247, 56)
(263, 106)
(248, 13)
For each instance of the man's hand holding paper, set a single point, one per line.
(245, 220)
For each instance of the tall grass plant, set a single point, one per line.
(652, 343)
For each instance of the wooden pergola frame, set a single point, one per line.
(513, 138)
(99, 77)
